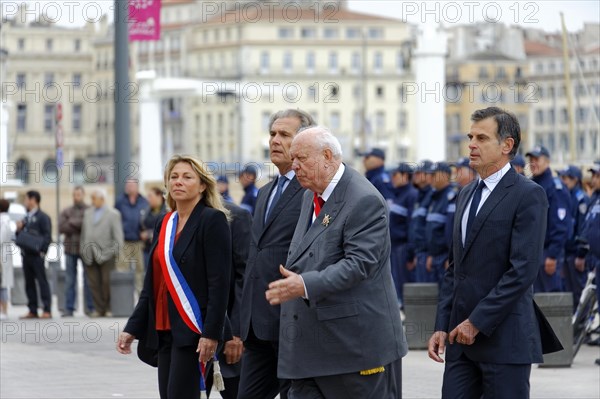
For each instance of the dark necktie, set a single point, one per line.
(318, 202)
(278, 191)
(474, 205)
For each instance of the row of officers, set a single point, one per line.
(422, 205)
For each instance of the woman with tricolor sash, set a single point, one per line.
(180, 316)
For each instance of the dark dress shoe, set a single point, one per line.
(46, 315)
(598, 362)
(594, 342)
(29, 315)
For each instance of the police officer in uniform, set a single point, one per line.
(401, 207)
(464, 173)
(416, 235)
(248, 179)
(440, 214)
(559, 221)
(574, 275)
(518, 163)
(374, 162)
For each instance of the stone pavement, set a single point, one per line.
(75, 358)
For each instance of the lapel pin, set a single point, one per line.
(326, 220)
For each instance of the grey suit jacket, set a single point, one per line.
(489, 279)
(351, 320)
(102, 240)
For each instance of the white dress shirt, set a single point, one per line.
(490, 183)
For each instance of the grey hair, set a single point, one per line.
(304, 117)
(324, 139)
(99, 192)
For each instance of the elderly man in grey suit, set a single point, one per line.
(341, 334)
(101, 241)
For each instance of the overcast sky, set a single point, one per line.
(540, 14)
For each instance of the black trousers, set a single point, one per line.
(467, 379)
(258, 378)
(33, 269)
(178, 369)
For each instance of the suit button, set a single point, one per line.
(289, 252)
(295, 317)
(310, 254)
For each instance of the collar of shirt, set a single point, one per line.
(333, 183)
(32, 212)
(492, 180)
(290, 175)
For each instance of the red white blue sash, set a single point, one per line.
(180, 291)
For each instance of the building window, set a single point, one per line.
(287, 62)
(330, 33)
(77, 45)
(21, 117)
(551, 67)
(564, 115)
(48, 78)
(581, 114)
(49, 44)
(20, 80)
(357, 91)
(22, 171)
(378, 62)
(379, 93)
(312, 92)
(50, 171)
(48, 117)
(402, 120)
(380, 121)
(518, 73)
(483, 72)
(539, 67)
(21, 44)
(334, 121)
(355, 62)
(352, 33)
(399, 61)
(265, 120)
(564, 141)
(77, 117)
(175, 43)
(581, 140)
(264, 61)
(357, 121)
(375, 33)
(308, 33)
(539, 117)
(551, 117)
(551, 92)
(76, 80)
(286, 33)
(333, 62)
(310, 62)
(500, 73)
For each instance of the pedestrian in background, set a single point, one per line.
(198, 257)
(374, 162)
(248, 181)
(559, 221)
(223, 186)
(34, 235)
(131, 206)
(101, 242)
(416, 237)
(150, 216)
(6, 260)
(69, 224)
(464, 173)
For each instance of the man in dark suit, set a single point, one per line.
(486, 310)
(275, 218)
(37, 224)
(341, 334)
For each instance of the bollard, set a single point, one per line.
(558, 309)
(17, 292)
(52, 275)
(420, 307)
(60, 289)
(121, 293)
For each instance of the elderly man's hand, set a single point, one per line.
(290, 287)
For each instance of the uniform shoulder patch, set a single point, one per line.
(451, 194)
(579, 195)
(385, 178)
(582, 208)
(558, 184)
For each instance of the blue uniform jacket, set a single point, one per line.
(441, 209)
(591, 228)
(382, 182)
(401, 208)
(249, 198)
(416, 234)
(579, 205)
(559, 217)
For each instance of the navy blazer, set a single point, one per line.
(269, 244)
(203, 253)
(489, 279)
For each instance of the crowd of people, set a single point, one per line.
(298, 290)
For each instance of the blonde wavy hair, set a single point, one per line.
(210, 196)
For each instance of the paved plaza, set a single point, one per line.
(75, 358)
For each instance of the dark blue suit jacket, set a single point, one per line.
(269, 245)
(489, 280)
